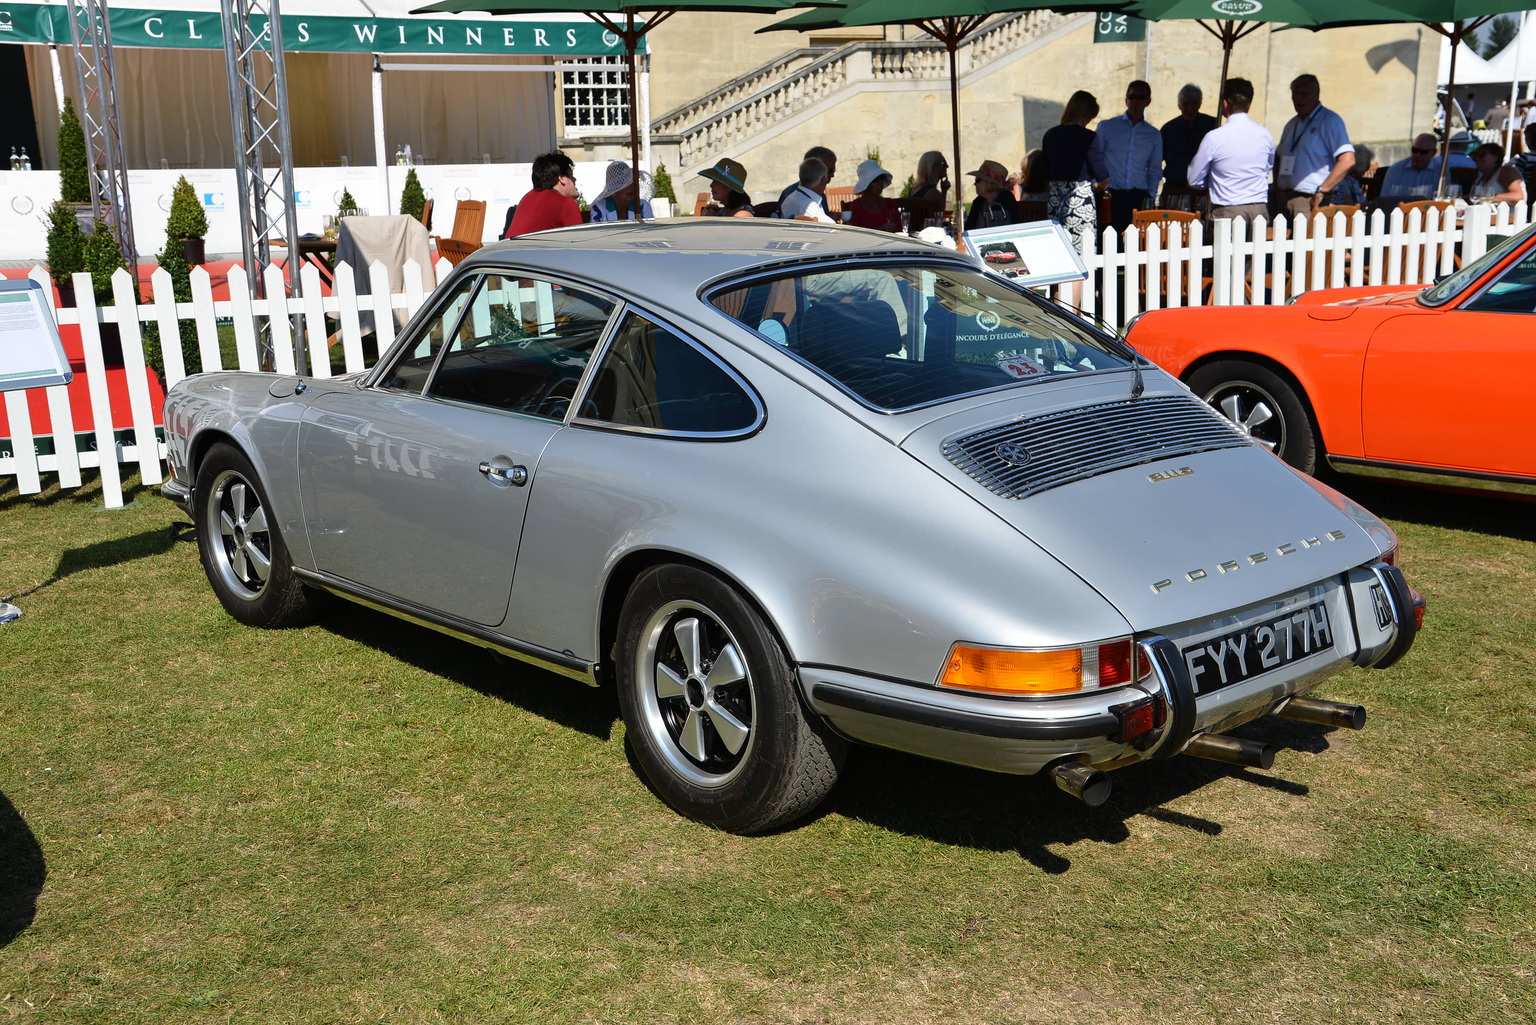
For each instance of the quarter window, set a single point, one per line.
(1513, 292)
(414, 364)
(655, 379)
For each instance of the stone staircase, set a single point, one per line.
(798, 84)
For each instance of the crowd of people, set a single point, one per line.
(1232, 168)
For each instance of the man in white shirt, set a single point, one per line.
(1234, 161)
(809, 197)
(1314, 153)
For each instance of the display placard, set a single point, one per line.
(31, 354)
(1037, 253)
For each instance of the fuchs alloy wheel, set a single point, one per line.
(242, 549)
(1267, 406)
(712, 708)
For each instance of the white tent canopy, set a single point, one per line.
(1472, 69)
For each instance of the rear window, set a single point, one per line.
(900, 335)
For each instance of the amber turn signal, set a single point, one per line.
(998, 671)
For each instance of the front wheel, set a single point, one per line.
(1265, 405)
(242, 550)
(712, 709)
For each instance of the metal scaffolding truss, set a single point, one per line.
(258, 95)
(97, 82)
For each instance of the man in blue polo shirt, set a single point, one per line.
(1131, 151)
(1314, 153)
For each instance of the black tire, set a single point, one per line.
(712, 708)
(243, 553)
(1266, 405)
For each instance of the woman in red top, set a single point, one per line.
(870, 209)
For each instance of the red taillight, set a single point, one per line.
(1138, 720)
(1418, 608)
(1115, 663)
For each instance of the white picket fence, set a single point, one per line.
(1259, 264)
(18, 454)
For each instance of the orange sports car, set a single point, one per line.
(1405, 379)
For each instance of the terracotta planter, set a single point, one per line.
(194, 249)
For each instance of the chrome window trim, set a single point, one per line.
(412, 329)
(611, 332)
(1114, 345)
(1514, 242)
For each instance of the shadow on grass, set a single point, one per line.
(1030, 815)
(112, 552)
(563, 701)
(1470, 509)
(22, 873)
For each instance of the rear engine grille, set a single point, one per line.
(1032, 455)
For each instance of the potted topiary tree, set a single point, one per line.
(413, 199)
(102, 260)
(347, 207)
(66, 250)
(663, 183)
(187, 223)
(74, 167)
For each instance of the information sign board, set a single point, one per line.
(31, 355)
(1037, 253)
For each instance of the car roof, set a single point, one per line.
(682, 253)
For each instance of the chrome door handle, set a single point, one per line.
(502, 476)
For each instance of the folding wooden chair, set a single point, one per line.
(468, 228)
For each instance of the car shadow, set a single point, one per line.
(22, 873)
(566, 702)
(1459, 508)
(1030, 815)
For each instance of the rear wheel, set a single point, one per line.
(242, 550)
(1265, 405)
(712, 709)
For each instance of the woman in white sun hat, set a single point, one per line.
(871, 209)
(617, 200)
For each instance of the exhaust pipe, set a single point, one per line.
(1083, 782)
(1233, 750)
(1324, 713)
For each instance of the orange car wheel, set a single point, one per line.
(1267, 406)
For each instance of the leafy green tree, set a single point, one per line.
(413, 199)
(347, 207)
(74, 168)
(66, 243)
(1500, 34)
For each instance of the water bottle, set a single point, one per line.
(26, 161)
(15, 160)
(399, 155)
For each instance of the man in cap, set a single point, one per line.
(1314, 153)
(1131, 151)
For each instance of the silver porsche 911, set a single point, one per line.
(789, 486)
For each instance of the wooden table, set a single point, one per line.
(313, 251)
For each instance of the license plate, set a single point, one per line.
(1260, 648)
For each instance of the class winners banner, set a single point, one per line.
(199, 29)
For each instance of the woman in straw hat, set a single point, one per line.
(618, 199)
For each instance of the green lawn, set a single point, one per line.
(365, 821)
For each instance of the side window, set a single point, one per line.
(521, 346)
(653, 378)
(1513, 292)
(414, 363)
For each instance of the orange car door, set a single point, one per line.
(1453, 389)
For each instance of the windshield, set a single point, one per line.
(1450, 286)
(899, 335)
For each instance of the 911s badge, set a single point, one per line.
(1162, 475)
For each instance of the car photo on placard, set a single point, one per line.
(1035, 254)
(790, 489)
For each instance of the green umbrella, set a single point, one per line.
(951, 22)
(629, 21)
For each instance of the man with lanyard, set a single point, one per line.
(1234, 161)
(1131, 152)
(1314, 153)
